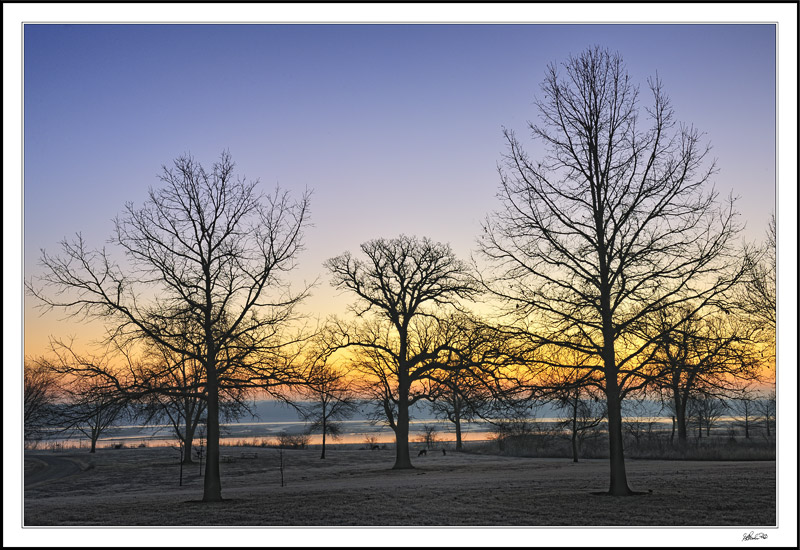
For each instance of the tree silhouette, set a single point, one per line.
(700, 355)
(91, 408)
(612, 225)
(581, 412)
(408, 284)
(202, 277)
(463, 389)
(743, 402)
(331, 399)
(705, 410)
(766, 408)
(459, 397)
(40, 394)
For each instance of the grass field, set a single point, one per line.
(356, 487)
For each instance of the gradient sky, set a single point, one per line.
(395, 128)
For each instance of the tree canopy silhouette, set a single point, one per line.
(204, 258)
(408, 283)
(613, 223)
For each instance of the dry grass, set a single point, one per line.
(717, 448)
(355, 487)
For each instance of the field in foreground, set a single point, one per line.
(356, 487)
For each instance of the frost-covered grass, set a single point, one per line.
(357, 487)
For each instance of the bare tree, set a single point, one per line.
(582, 412)
(91, 408)
(743, 402)
(705, 410)
(756, 296)
(331, 399)
(40, 394)
(611, 226)
(697, 355)
(429, 436)
(515, 423)
(460, 397)
(464, 389)
(204, 259)
(765, 406)
(408, 284)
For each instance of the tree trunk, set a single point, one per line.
(680, 418)
(324, 432)
(457, 421)
(212, 486)
(94, 435)
(619, 480)
(672, 435)
(575, 430)
(402, 460)
(188, 441)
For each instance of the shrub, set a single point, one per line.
(428, 436)
(293, 441)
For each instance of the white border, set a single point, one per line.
(783, 14)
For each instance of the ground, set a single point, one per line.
(357, 487)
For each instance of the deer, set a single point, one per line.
(423, 452)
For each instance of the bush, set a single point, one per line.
(293, 441)
(370, 440)
(428, 436)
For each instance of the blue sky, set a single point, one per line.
(395, 128)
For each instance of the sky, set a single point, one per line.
(394, 128)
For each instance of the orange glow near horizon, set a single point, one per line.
(38, 332)
(385, 437)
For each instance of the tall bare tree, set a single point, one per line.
(202, 276)
(408, 285)
(613, 224)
